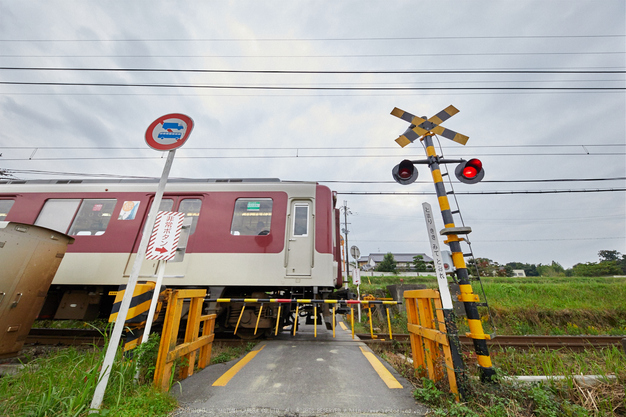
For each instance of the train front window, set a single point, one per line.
(57, 214)
(252, 217)
(191, 208)
(93, 217)
(5, 206)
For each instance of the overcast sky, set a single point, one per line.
(331, 122)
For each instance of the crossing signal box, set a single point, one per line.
(470, 172)
(404, 173)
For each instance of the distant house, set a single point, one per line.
(404, 261)
(519, 273)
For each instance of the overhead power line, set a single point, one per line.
(487, 181)
(29, 171)
(394, 38)
(320, 56)
(232, 71)
(317, 148)
(484, 192)
(262, 87)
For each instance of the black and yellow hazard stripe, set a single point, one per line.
(139, 305)
(467, 296)
(420, 126)
(299, 301)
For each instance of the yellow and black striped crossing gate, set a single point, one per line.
(137, 312)
(305, 301)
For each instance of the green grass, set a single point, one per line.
(224, 353)
(608, 361)
(532, 305)
(63, 383)
(510, 398)
(557, 294)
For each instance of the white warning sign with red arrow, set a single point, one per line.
(165, 235)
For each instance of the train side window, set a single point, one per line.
(166, 205)
(252, 217)
(301, 220)
(191, 208)
(93, 217)
(57, 214)
(5, 206)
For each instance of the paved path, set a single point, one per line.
(300, 376)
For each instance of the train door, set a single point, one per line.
(300, 239)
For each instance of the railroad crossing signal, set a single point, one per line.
(421, 127)
(468, 172)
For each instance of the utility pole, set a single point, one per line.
(345, 231)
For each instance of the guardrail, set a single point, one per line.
(429, 342)
(169, 352)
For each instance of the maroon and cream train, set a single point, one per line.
(248, 238)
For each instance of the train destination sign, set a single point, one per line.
(165, 235)
(169, 132)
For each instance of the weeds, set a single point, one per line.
(510, 398)
(222, 353)
(63, 384)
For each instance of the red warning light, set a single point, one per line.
(404, 173)
(470, 172)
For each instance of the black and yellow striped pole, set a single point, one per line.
(467, 296)
(405, 173)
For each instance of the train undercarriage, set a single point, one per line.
(246, 320)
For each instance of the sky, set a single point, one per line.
(305, 90)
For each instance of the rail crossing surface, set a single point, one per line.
(302, 376)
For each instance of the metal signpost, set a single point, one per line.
(167, 133)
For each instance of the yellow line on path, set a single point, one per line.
(228, 375)
(343, 326)
(380, 369)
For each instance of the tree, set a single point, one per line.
(529, 269)
(553, 270)
(418, 262)
(609, 255)
(592, 269)
(388, 264)
(488, 268)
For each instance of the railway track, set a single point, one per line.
(77, 337)
(549, 342)
(95, 337)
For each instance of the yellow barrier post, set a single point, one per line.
(315, 321)
(258, 318)
(239, 319)
(295, 320)
(352, 320)
(389, 323)
(277, 320)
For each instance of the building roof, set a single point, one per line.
(399, 257)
